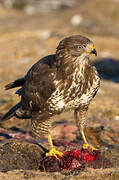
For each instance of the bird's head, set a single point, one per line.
(76, 46)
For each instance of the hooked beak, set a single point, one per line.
(94, 52)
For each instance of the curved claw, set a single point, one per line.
(88, 146)
(54, 152)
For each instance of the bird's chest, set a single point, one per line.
(73, 94)
(67, 96)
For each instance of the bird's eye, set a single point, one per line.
(78, 46)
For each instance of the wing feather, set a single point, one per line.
(39, 83)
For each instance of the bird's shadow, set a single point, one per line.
(108, 69)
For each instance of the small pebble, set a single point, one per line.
(76, 20)
(46, 34)
(30, 10)
(8, 3)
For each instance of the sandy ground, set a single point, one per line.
(24, 39)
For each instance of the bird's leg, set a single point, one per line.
(42, 127)
(81, 124)
(50, 141)
(86, 145)
(53, 151)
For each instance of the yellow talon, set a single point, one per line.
(88, 146)
(54, 152)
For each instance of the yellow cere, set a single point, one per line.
(91, 48)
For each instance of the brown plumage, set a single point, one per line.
(60, 82)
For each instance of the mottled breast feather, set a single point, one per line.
(76, 89)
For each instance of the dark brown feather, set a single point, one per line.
(16, 83)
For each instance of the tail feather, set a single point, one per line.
(11, 112)
(16, 83)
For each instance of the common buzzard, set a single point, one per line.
(57, 83)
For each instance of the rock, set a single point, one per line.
(14, 4)
(34, 6)
(16, 155)
(76, 20)
(46, 34)
(8, 3)
(30, 10)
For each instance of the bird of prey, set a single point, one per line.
(60, 82)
